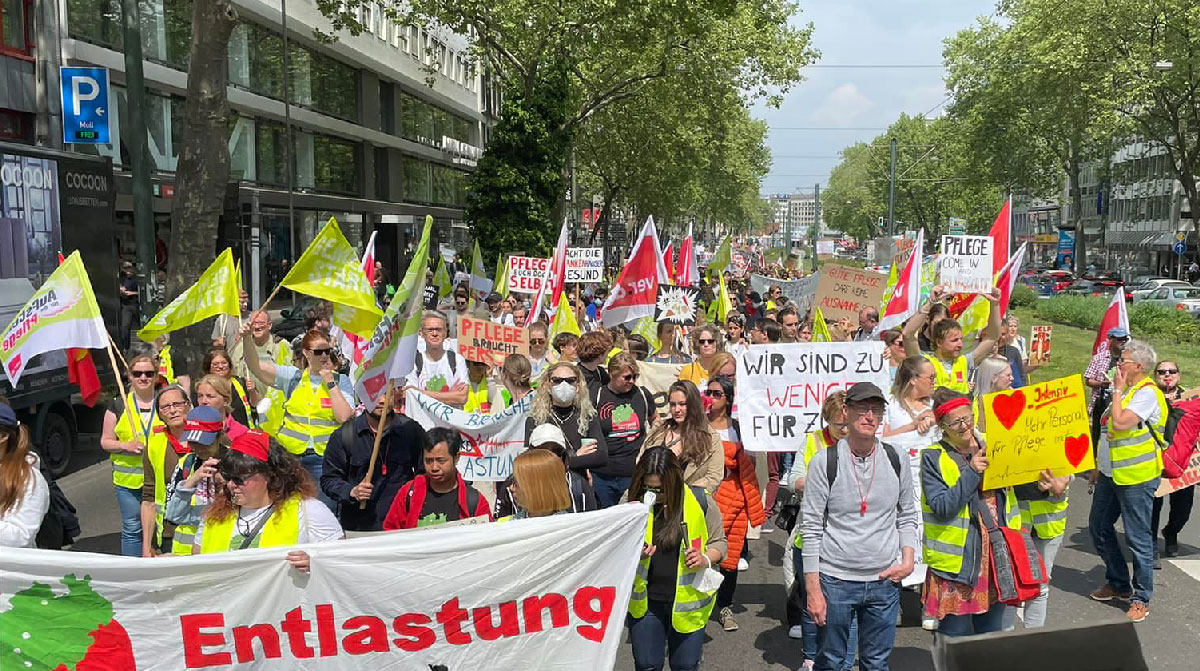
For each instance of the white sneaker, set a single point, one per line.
(796, 632)
(743, 565)
(806, 666)
(754, 533)
(929, 623)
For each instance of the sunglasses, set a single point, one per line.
(537, 341)
(143, 373)
(706, 341)
(238, 479)
(1167, 371)
(324, 351)
(714, 393)
(560, 380)
(629, 377)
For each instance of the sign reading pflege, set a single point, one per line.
(525, 273)
(781, 387)
(965, 265)
(584, 265)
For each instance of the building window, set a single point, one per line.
(335, 165)
(14, 25)
(14, 125)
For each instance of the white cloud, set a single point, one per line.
(841, 107)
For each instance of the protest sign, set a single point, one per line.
(490, 442)
(799, 292)
(843, 291)
(520, 595)
(525, 273)
(1039, 346)
(482, 340)
(584, 265)
(677, 305)
(657, 378)
(826, 248)
(965, 264)
(781, 386)
(1034, 428)
(1189, 477)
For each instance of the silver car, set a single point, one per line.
(1143, 291)
(1177, 298)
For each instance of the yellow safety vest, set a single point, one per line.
(127, 468)
(814, 442)
(1134, 454)
(691, 607)
(283, 528)
(274, 417)
(185, 534)
(156, 449)
(955, 378)
(945, 541)
(241, 392)
(307, 418)
(477, 400)
(165, 368)
(1047, 517)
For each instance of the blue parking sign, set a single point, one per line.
(85, 105)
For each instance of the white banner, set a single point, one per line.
(780, 387)
(525, 273)
(518, 595)
(490, 442)
(584, 265)
(799, 292)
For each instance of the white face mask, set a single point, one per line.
(563, 393)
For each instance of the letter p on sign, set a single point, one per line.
(83, 88)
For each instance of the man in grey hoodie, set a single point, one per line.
(860, 538)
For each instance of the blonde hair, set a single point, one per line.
(541, 482)
(988, 369)
(719, 361)
(517, 369)
(543, 405)
(219, 385)
(621, 362)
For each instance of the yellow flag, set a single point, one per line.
(237, 276)
(215, 293)
(820, 330)
(890, 288)
(975, 317)
(330, 269)
(724, 304)
(441, 279)
(564, 319)
(648, 329)
(500, 286)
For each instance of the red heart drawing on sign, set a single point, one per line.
(1076, 448)
(1009, 408)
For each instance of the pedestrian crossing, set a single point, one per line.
(1188, 566)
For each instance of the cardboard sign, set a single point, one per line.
(781, 386)
(1039, 346)
(1190, 477)
(677, 305)
(584, 265)
(1034, 428)
(657, 378)
(965, 264)
(481, 340)
(525, 273)
(843, 291)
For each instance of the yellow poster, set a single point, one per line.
(1034, 428)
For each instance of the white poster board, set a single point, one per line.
(585, 265)
(965, 264)
(525, 273)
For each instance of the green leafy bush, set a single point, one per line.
(1023, 297)
(1082, 311)
(1145, 320)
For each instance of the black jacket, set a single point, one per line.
(570, 429)
(583, 497)
(400, 453)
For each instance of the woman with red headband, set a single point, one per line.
(267, 500)
(959, 586)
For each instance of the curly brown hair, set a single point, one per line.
(593, 345)
(285, 478)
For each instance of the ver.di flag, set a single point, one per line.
(500, 286)
(721, 259)
(61, 314)
(906, 298)
(441, 280)
(820, 329)
(214, 293)
(564, 319)
(636, 289)
(330, 269)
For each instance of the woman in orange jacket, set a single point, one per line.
(737, 496)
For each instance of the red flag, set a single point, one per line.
(555, 279)
(1114, 316)
(1007, 279)
(1001, 243)
(633, 296)
(687, 266)
(906, 298)
(669, 261)
(81, 370)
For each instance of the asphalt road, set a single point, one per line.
(1168, 636)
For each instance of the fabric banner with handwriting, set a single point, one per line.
(490, 442)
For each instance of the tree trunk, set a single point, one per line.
(1073, 169)
(203, 170)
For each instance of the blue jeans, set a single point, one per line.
(874, 605)
(1134, 504)
(654, 639)
(966, 625)
(129, 502)
(609, 489)
(315, 465)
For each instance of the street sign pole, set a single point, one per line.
(139, 157)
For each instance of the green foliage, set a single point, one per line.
(1146, 321)
(1082, 311)
(1023, 296)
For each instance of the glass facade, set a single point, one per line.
(14, 25)
(427, 124)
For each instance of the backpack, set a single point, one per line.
(831, 462)
(452, 359)
(1179, 439)
(60, 526)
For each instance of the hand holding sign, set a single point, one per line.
(1037, 428)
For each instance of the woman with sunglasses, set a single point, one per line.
(540, 354)
(319, 399)
(707, 339)
(163, 451)
(561, 399)
(959, 586)
(684, 536)
(243, 393)
(737, 496)
(687, 434)
(1166, 375)
(267, 500)
(625, 414)
(128, 424)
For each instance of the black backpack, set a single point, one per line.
(419, 363)
(60, 526)
(831, 462)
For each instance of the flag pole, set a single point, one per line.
(267, 302)
(383, 416)
(112, 347)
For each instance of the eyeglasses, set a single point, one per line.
(537, 341)
(864, 410)
(560, 380)
(1167, 371)
(171, 407)
(143, 373)
(961, 423)
(324, 351)
(714, 393)
(434, 329)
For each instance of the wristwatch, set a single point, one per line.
(331, 385)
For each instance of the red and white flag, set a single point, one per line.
(636, 289)
(1007, 279)
(1116, 315)
(687, 269)
(555, 279)
(906, 298)
(669, 261)
(1001, 234)
(352, 345)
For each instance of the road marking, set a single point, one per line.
(1188, 566)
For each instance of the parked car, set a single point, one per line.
(1060, 279)
(1139, 280)
(1091, 288)
(1181, 297)
(1040, 286)
(1144, 289)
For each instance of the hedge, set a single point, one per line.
(1145, 320)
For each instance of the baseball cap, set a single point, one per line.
(1118, 332)
(203, 423)
(547, 433)
(8, 417)
(492, 298)
(864, 391)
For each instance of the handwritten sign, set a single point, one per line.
(490, 442)
(1189, 477)
(1034, 428)
(481, 340)
(1039, 346)
(584, 265)
(677, 305)
(781, 386)
(843, 291)
(657, 379)
(525, 273)
(965, 265)
(799, 292)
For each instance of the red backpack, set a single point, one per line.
(1179, 440)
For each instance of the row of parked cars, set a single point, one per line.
(1153, 289)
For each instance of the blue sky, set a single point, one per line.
(860, 32)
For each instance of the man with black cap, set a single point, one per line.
(859, 523)
(495, 311)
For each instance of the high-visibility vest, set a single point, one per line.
(273, 419)
(691, 607)
(156, 449)
(814, 442)
(307, 418)
(127, 468)
(477, 400)
(283, 528)
(185, 534)
(241, 392)
(955, 378)
(165, 369)
(946, 541)
(1047, 517)
(1134, 454)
